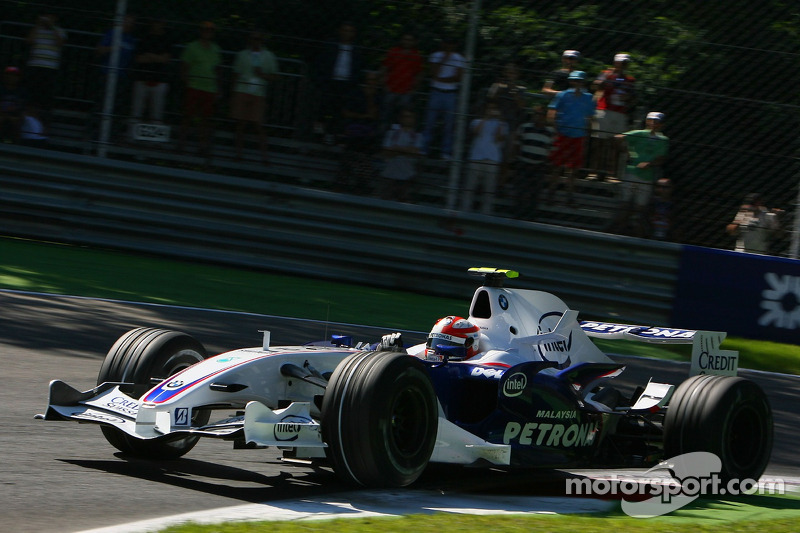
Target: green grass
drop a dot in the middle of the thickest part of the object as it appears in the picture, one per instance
(74, 270)
(63, 269)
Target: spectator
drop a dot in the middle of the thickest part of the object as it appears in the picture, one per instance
(447, 68)
(509, 96)
(252, 69)
(401, 70)
(361, 114)
(489, 134)
(755, 226)
(402, 145)
(127, 47)
(46, 40)
(12, 102)
(151, 73)
(647, 152)
(200, 63)
(336, 75)
(534, 140)
(557, 80)
(614, 91)
(569, 111)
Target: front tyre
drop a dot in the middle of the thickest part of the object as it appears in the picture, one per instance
(379, 419)
(728, 416)
(141, 356)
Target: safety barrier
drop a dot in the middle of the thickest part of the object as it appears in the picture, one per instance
(250, 222)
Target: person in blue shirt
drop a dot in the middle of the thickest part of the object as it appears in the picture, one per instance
(570, 113)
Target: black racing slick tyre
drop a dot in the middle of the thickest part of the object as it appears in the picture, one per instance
(728, 416)
(379, 419)
(142, 356)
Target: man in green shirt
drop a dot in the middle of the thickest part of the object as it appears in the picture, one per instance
(647, 151)
(200, 62)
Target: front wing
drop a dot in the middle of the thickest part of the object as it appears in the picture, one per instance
(109, 404)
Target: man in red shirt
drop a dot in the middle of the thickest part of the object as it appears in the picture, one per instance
(614, 91)
(402, 72)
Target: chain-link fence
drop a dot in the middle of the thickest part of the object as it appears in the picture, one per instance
(723, 73)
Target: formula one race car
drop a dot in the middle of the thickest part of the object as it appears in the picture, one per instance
(379, 417)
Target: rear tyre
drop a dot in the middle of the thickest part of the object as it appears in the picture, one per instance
(142, 356)
(728, 416)
(379, 419)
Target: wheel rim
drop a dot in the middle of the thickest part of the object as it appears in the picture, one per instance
(746, 439)
(409, 423)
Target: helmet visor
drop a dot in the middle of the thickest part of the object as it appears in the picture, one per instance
(443, 339)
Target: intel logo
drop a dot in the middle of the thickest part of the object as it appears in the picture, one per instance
(515, 384)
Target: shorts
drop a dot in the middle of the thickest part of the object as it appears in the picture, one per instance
(247, 107)
(636, 190)
(199, 103)
(607, 123)
(567, 152)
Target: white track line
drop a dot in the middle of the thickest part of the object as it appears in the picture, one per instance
(363, 504)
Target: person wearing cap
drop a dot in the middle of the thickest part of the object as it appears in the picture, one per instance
(12, 102)
(614, 91)
(647, 152)
(556, 80)
(755, 225)
(200, 63)
(570, 112)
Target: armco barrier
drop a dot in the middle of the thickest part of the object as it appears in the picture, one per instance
(277, 227)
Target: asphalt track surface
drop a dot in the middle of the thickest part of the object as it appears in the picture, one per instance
(62, 476)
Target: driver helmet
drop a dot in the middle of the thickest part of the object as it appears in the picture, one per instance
(454, 331)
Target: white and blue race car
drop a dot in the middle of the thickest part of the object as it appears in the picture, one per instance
(378, 417)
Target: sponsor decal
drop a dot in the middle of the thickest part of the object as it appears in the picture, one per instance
(181, 416)
(227, 359)
(100, 417)
(503, 301)
(781, 302)
(543, 413)
(515, 384)
(288, 429)
(151, 132)
(639, 331)
(480, 372)
(124, 405)
(446, 337)
(546, 434)
(553, 347)
(174, 384)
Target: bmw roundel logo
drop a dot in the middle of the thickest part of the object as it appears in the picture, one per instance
(503, 301)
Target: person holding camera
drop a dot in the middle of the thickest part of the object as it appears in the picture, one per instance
(755, 226)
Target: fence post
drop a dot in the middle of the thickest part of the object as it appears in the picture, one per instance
(463, 107)
(111, 80)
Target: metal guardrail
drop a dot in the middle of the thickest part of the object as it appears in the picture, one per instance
(285, 228)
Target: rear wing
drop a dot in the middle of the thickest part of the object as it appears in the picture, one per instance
(707, 358)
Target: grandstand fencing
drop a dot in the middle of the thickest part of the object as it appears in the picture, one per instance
(723, 73)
